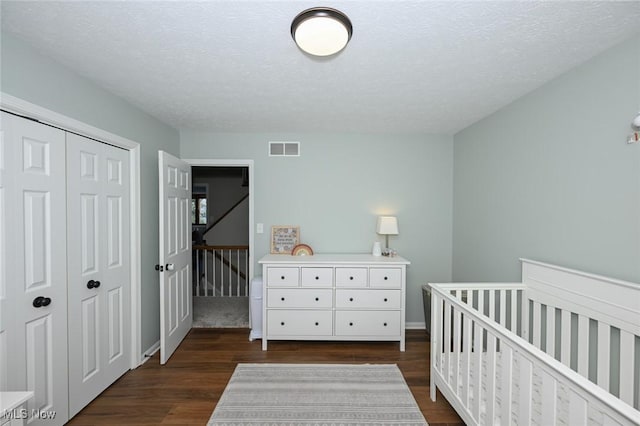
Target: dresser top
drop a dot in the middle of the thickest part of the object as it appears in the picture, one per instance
(12, 400)
(334, 259)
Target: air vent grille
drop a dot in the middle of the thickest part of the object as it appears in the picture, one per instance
(284, 149)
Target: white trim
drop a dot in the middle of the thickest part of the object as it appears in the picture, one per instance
(47, 116)
(198, 162)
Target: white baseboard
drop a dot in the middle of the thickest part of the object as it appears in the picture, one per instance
(150, 352)
(415, 326)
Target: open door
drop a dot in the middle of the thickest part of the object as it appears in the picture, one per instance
(176, 314)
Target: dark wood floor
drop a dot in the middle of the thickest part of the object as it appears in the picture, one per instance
(186, 389)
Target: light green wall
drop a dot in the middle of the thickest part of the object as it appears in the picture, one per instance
(35, 78)
(339, 185)
(550, 177)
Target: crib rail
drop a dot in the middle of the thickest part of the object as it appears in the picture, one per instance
(588, 322)
(220, 271)
(490, 375)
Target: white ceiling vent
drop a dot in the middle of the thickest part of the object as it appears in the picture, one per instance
(284, 149)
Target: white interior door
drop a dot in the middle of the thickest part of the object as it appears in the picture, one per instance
(176, 314)
(34, 261)
(98, 267)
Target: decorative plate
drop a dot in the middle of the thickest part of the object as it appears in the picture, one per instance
(302, 250)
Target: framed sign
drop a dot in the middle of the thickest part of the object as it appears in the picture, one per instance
(284, 238)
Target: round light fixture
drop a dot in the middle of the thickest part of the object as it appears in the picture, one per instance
(321, 31)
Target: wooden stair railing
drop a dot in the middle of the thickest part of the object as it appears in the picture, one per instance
(217, 252)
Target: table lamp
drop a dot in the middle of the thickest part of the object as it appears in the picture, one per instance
(387, 225)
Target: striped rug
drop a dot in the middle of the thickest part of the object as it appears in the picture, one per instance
(316, 394)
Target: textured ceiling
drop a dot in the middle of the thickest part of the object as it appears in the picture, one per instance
(231, 66)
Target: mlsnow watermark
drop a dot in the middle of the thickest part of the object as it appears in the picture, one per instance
(24, 414)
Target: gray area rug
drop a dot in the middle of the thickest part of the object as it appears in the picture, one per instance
(316, 394)
(220, 312)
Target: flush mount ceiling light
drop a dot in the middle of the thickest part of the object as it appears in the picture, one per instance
(321, 31)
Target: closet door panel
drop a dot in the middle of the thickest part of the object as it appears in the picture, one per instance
(99, 270)
(4, 304)
(35, 277)
(117, 263)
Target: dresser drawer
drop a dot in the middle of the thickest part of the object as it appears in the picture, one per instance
(317, 277)
(282, 277)
(367, 323)
(385, 277)
(299, 298)
(299, 323)
(351, 277)
(368, 299)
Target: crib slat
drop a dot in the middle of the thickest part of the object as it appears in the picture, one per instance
(626, 366)
(549, 399)
(583, 345)
(525, 383)
(577, 409)
(604, 348)
(492, 305)
(524, 316)
(551, 331)
(537, 325)
(506, 366)
(514, 311)
(456, 348)
(446, 342)
(466, 359)
(565, 337)
(503, 307)
(436, 319)
(490, 398)
(477, 371)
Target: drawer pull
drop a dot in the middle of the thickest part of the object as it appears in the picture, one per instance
(317, 278)
(385, 278)
(385, 324)
(351, 299)
(350, 324)
(282, 277)
(351, 278)
(385, 299)
(282, 298)
(317, 323)
(317, 298)
(282, 323)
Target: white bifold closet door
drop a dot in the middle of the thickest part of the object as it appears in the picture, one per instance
(99, 267)
(33, 286)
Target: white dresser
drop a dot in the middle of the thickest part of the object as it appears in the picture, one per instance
(333, 297)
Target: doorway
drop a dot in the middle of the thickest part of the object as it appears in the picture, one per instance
(221, 214)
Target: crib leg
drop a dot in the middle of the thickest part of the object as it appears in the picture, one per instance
(432, 386)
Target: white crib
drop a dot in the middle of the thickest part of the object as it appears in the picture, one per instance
(562, 347)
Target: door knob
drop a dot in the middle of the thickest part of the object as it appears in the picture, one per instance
(41, 301)
(93, 284)
(170, 266)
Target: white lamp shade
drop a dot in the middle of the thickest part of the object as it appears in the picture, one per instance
(387, 225)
